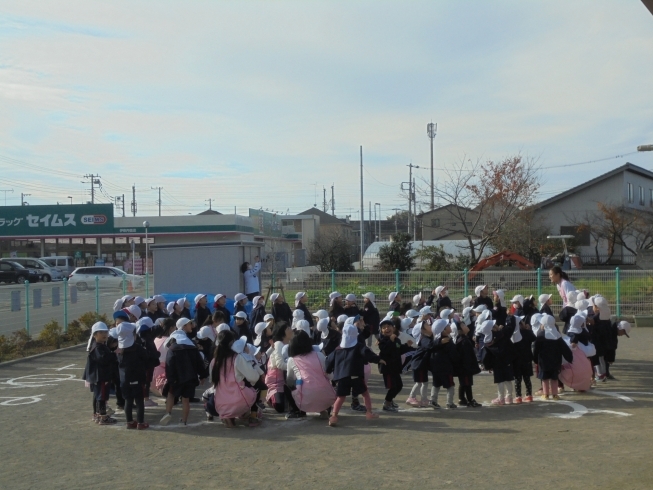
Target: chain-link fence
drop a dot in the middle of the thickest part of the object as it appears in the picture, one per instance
(31, 306)
(629, 292)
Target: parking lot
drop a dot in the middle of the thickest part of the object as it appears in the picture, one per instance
(599, 439)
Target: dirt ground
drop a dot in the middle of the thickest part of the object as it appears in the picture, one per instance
(600, 439)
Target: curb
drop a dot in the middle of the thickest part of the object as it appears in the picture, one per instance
(35, 356)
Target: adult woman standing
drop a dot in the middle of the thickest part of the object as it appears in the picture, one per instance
(250, 276)
(562, 282)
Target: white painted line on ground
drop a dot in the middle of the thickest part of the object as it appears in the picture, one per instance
(69, 366)
(614, 395)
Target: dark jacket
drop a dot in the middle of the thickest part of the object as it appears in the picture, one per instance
(580, 338)
(331, 342)
(442, 302)
(523, 350)
(225, 312)
(502, 354)
(599, 332)
(153, 355)
(99, 364)
(546, 309)
(391, 352)
(371, 317)
(206, 347)
(443, 357)
(185, 313)
(282, 312)
(185, 365)
(466, 364)
(529, 309)
(133, 363)
(612, 337)
(353, 310)
(243, 330)
(201, 314)
(565, 316)
(487, 301)
(157, 314)
(238, 307)
(500, 314)
(307, 314)
(549, 353)
(421, 360)
(395, 306)
(258, 314)
(335, 311)
(350, 362)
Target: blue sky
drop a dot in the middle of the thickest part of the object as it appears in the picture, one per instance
(261, 104)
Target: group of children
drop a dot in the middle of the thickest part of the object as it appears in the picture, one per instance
(295, 362)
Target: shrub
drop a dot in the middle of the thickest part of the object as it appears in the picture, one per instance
(6, 347)
(19, 340)
(77, 332)
(89, 318)
(51, 334)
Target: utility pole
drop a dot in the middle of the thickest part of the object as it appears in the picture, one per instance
(333, 202)
(22, 199)
(134, 208)
(370, 216)
(378, 221)
(376, 233)
(414, 213)
(5, 191)
(123, 205)
(95, 180)
(396, 210)
(159, 201)
(324, 203)
(431, 130)
(210, 201)
(362, 210)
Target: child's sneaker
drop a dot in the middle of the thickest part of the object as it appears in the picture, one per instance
(451, 406)
(412, 402)
(424, 404)
(333, 420)
(544, 398)
(143, 426)
(389, 408)
(555, 398)
(358, 407)
(165, 420)
(132, 425)
(474, 404)
(371, 415)
(528, 399)
(518, 400)
(109, 411)
(498, 401)
(209, 417)
(463, 403)
(150, 403)
(106, 420)
(508, 400)
(433, 404)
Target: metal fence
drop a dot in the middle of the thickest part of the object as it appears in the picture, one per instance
(31, 306)
(629, 292)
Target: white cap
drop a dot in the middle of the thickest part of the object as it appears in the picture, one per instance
(478, 289)
(149, 300)
(446, 313)
(117, 306)
(159, 299)
(439, 289)
(466, 315)
(298, 297)
(625, 326)
(199, 297)
(603, 306)
(371, 298)
(518, 298)
(341, 319)
(544, 298)
(333, 296)
(467, 301)
(222, 328)
(256, 300)
(439, 325)
(181, 302)
(392, 296)
(576, 324)
(241, 314)
(303, 325)
(125, 333)
(582, 305)
(139, 300)
(480, 308)
(486, 330)
(239, 345)
(144, 323)
(298, 315)
(135, 311)
(321, 314)
(206, 332)
(536, 319)
(349, 336)
(268, 317)
(99, 327)
(502, 296)
(414, 313)
(572, 297)
(182, 322)
(417, 298)
(350, 297)
(258, 330)
(218, 297)
(406, 322)
(323, 327)
(550, 330)
(274, 296)
(239, 297)
(425, 311)
(170, 307)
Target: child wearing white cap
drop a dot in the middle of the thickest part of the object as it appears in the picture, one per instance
(98, 373)
(240, 301)
(443, 358)
(420, 363)
(220, 304)
(418, 301)
(301, 300)
(442, 300)
(371, 316)
(278, 393)
(258, 311)
(202, 313)
(499, 312)
(184, 306)
(548, 353)
(241, 326)
(499, 359)
(133, 363)
(482, 297)
(545, 304)
(467, 366)
(568, 310)
(522, 340)
(336, 307)
(351, 308)
(599, 327)
(390, 350)
(615, 331)
(148, 331)
(348, 367)
(280, 309)
(394, 298)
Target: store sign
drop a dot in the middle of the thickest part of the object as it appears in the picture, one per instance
(265, 223)
(72, 219)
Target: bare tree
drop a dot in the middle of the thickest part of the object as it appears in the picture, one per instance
(483, 197)
(332, 251)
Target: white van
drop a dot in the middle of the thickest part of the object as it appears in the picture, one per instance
(65, 264)
(44, 270)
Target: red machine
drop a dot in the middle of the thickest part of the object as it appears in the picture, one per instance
(505, 256)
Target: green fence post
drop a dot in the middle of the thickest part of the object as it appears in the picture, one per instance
(465, 275)
(65, 305)
(27, 307)
(539, 281)
(397, 285)
(618, 287)
(147, 285)
(333, 280)
(124, 285)
(97, 295)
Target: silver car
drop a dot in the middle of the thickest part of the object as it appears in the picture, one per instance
(46, 272)
(108, 278)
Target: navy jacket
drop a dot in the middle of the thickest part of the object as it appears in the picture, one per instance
(443, 357)
(353, 311)
(336, 310)
(391, 352)
(99, 364)
(201, 314)
(599, 333)
(467, 364)
(258, 314)
(225, 312)
(546, 309)
(421, 360)
(523, 350)
(442, 302)
(133, 363)
(580, 338)
(307, 314)
(565, 316)
(549, 353)
(185, 365)
(487, 301)
(350, 362)
(244, 330)
(371, 317)
(282, 312)
(331, 342)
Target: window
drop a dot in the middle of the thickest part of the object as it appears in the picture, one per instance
(641, 196)
(630, 192)
(435, 223)
(650, 191)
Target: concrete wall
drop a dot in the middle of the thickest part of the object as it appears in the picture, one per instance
(202, 268)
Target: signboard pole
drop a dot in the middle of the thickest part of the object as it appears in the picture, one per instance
(27, 307)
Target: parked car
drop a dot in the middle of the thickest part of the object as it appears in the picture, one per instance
(14, 272)
(109, 277)
(62, 262)
(46, 273)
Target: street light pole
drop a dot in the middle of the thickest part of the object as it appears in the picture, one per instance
(71, 199)
(146, 224)
(379, 218)
(431, 130)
